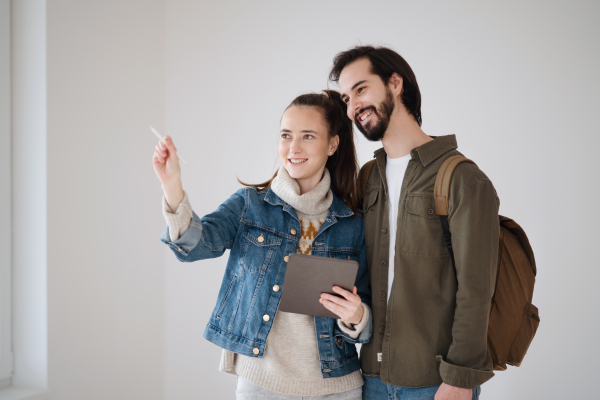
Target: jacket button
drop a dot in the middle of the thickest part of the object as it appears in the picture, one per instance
(276, 288)
(383, 263)
(382, 294)
(256, 351)
(339, 340)
(430, 211)
(179, 250)
(266, 317)
(326, 370)
(286, 258)
(384, 231)
(261, 239)
(293, 231)
(381, 329)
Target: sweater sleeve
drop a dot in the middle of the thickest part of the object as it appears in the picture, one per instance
(178, 221)
(354, 330)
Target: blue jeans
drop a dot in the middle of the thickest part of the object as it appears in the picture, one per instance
(374, 389)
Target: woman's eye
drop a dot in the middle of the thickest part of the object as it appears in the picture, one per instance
(360, 89)
(285, 136)
(308, 136)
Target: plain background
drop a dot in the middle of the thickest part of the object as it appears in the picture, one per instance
(516, 81)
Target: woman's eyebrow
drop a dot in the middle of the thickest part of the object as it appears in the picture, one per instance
(302, 131)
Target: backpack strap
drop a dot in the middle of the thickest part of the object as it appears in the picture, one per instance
(363, 177)
(441, 193)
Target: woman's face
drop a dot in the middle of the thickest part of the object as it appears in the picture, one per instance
(304, 144)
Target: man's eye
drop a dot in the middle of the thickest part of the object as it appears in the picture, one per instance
(360, 89)
(346, 100)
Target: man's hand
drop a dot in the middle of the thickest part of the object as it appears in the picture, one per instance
(447, 392)
(349, 307)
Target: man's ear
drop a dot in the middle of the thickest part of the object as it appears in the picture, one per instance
(395, 84)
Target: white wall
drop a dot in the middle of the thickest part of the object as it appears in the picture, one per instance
(29, 193)
(514, 80)
(106, 77)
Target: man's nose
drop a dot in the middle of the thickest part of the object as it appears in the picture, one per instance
(353, 108)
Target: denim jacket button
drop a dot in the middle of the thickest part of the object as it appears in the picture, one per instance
(256, 351)
(293, 231)
(261, 239)
(286, 258)
(276, 288)
(266, 317)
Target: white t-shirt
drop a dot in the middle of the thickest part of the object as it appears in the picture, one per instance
(395, 168)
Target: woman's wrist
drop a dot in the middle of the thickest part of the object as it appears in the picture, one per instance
(174, 195)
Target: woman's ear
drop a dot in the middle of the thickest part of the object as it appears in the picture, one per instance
(333, 144)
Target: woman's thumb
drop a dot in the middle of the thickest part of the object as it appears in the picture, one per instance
(171, 146)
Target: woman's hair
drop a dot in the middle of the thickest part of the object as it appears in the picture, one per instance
(342, 165)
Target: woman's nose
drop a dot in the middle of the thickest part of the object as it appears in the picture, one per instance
(295, 148)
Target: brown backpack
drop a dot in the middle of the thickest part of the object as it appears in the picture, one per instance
(513, 319)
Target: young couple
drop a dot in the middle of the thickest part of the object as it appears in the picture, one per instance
(422, 322)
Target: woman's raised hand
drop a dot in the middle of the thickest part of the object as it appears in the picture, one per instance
(168, 171)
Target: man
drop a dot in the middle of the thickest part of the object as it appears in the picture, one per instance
(430, 317)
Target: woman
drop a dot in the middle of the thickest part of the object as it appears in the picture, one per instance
(307, 207)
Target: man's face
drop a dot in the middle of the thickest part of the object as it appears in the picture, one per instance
(370, 102)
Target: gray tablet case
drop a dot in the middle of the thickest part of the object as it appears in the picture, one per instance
(307, 277)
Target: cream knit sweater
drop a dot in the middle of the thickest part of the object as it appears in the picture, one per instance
(291, 362)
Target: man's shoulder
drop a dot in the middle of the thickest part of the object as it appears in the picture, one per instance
(465, 173)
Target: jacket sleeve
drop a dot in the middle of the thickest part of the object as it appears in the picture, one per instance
(474, 227)
(363, 287)
(211, 235)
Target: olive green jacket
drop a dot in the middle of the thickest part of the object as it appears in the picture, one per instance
(434, 327)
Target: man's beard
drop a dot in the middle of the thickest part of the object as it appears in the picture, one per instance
(374, 131)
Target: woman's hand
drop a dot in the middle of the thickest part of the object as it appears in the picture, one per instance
(168, 171)
(349, 308)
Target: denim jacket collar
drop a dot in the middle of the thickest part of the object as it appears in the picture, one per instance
(337, 209)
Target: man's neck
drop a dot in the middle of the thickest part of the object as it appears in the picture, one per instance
(403, 134)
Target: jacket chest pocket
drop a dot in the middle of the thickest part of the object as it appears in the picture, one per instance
(422, 229)
(260, 248)
(370, 206)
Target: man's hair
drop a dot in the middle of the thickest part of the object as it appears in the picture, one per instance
(384, 62)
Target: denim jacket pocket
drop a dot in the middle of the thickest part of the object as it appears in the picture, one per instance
(260, 247)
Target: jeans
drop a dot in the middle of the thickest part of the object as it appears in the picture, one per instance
(374, 389)
(246, 390)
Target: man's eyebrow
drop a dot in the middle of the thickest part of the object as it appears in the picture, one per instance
(343, 96)
(358, 83)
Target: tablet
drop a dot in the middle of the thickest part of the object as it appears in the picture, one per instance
(307, 277)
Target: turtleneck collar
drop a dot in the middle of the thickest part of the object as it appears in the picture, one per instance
(315, 202)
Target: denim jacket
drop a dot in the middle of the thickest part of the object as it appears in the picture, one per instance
(255, 271)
